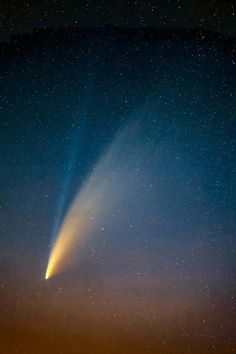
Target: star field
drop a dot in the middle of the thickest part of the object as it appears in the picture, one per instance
(156, 273)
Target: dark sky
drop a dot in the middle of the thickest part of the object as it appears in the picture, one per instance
(19, 16)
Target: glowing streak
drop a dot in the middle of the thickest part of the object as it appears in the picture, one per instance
(109, 180)
(71, 228)
(93, 199)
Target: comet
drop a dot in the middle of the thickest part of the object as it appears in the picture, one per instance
(102, 188)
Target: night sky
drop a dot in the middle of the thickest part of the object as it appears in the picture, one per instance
(129, 133)
(18, 16)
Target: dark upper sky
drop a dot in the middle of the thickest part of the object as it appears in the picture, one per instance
(19, 16)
